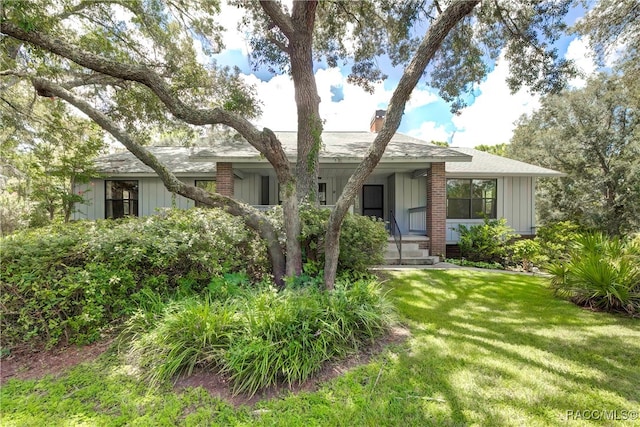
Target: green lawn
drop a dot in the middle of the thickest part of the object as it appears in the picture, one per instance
(486, 349)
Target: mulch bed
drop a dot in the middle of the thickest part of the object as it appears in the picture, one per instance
(27, 364)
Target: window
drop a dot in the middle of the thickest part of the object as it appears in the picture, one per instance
(471, 198)
(209, 185)
(322, 193)
(121, 199)
(264, 190)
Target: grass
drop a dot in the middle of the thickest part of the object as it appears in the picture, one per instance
(486, 349)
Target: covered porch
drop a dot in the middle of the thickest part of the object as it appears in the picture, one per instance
(411, 202)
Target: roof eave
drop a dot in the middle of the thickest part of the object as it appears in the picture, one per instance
(339, 159)
(485, 174)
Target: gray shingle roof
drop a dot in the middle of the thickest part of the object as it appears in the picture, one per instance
(487, 164)
(345, 146)
(175, 158)
(337, 146)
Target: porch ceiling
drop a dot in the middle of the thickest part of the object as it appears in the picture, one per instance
(337, 170)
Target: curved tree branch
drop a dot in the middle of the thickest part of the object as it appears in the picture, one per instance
(252, 217)
(278, 17)
(264, 141)
(425, 52)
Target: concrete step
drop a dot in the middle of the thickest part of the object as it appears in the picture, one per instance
(415, 251)
(428, 260)
(393, 253)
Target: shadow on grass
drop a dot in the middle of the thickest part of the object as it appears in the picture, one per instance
(486, 349)
(502, 349)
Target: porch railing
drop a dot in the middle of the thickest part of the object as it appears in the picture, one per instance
(394, 228)
(418, 219)
(267, 207)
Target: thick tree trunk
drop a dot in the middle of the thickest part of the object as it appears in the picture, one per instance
(427, 49)
(292, 227)
(298, 28)
(309, 123)
(308, 148)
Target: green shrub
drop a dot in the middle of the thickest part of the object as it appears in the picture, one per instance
(282, 340)
(66, 283)
(260, 337)
(477, 264)
(486, 242)
(600, 272)
(526, 253)
(555, 238)
(194, 332)
(362, 239)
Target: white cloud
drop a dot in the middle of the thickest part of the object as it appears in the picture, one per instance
(279, 107)
(490, 120)
(582, 55)
(420, 98)
(352, 113)
(430, 131)
(230, 17)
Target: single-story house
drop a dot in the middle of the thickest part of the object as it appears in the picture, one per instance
(427, 189)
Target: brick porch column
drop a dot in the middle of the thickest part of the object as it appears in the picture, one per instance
(224, 178)
(437, 209)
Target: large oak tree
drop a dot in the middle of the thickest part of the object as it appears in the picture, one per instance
(128, 64)
(593, 135)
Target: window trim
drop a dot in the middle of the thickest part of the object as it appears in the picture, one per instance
(136, 183)
(472, 215)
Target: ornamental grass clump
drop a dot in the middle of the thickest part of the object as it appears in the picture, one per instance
(191, 333)
(601, 272)
(261, 337)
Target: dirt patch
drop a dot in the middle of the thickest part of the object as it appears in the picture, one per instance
(26, 364)
(219, 387)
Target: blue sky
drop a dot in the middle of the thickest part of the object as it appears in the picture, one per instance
(488, 119)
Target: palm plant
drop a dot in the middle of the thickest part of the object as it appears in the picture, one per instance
(601, 272)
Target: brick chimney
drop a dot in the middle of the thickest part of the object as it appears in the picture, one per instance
(377, 120)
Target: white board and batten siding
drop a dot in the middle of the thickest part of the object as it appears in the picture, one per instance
(401, 192)
(405, 193)
(152, 195)
(516, 203)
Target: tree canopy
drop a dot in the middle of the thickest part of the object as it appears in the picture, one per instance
(613, 29)
(498, 149)
(46, 149)
(131, 65)
(593, 135)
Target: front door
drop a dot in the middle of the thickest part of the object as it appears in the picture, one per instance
(372, 200)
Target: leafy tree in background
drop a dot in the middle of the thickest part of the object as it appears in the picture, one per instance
(613, 27)
(131, 65)
(441, 143)
(593, 135)
(51, 149)
(498, 149)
